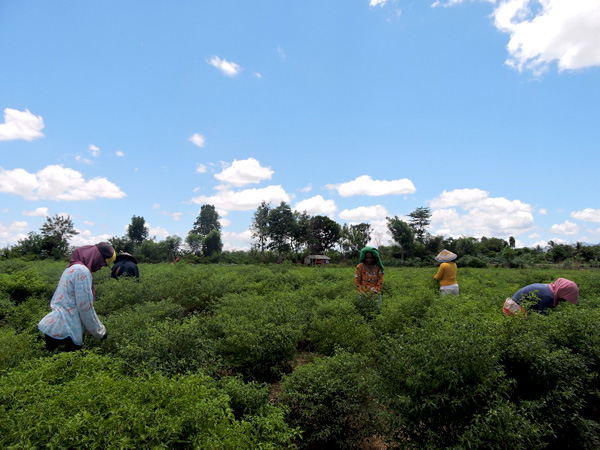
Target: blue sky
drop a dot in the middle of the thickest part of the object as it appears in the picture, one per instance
(485, 111)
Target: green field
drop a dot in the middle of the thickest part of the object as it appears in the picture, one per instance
(284, 356)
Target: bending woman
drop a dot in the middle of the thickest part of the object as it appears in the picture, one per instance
(72, 304)
(543, 296)
(446, 274)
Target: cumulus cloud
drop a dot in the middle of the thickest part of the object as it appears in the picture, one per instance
(364, 213)
(245, 200)
(243, 172)
(119, 153)
(11, 234)
(316, 205)
(21, 125)
(588, 215)
(157, 232)
(236, 241)
(201, 168)
(567, 228)
(472, 212)
(86, 237)
(95, 151)
(545, 31)
(56, 183)
(228, 68)
(377, 2)
(41, 211)
(197, 139)
(365, 185)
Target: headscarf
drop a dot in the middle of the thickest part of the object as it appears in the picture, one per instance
(566, 290)
(374, 252)
(94, 257)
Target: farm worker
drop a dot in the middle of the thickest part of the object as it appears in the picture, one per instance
(125, 266)
(446, 274)
(368, 277)
(543, 296)
(72, 304)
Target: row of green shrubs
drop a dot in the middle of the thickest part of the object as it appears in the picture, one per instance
(286, 357)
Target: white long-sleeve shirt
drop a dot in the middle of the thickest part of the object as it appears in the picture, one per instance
(72, 307)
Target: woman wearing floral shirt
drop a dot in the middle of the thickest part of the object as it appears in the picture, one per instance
(72, 304)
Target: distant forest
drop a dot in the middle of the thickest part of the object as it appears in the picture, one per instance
(281, 235)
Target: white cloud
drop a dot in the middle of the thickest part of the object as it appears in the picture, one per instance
(156, 206)
(364, 213)
(544, 31)
(198, 139)
(243, 172)
(257, 75)
(201, 168)
(542, 211)
(175, 216)
(56, 183)
(41, 211)
(534, 236)
(230, 69)
(281, 52)
(567, 228)
(21, 125)
(119, 153)
(95, 151)
(365, 185)
(377, 2)
(245, 200)
(236, 241)
(11, 234)
(82, 160)
(472, 212)
(316, 205)
(87, 222)
(157, 232)
(307, 188)
(588, 215)
(459, 197)
(224, 222)
(85, 237)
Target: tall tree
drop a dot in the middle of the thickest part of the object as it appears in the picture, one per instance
(355, 237)
(401, 233)
(194, 242)
(207, 221)
(212, 244)
(300, 231)
(57, 231)
(420, 219)
(137, 230)
(260, 227)
(323, 233)
(281, 225)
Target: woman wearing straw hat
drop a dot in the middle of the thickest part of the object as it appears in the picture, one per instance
(446, 274)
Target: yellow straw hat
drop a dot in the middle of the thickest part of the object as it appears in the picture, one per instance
(446, 256)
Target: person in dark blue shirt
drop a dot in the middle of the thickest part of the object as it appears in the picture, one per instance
(543, 296)
(125, 266)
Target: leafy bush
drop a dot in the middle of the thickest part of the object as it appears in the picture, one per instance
(22, 284)
(18, 347)
(336, 325)
(330, 401)
(256, 338)
(150, 336)
(79, 400)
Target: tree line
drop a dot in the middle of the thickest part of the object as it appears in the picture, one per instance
(280, 234)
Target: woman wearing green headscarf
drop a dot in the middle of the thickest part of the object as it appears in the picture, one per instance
(369, 273)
